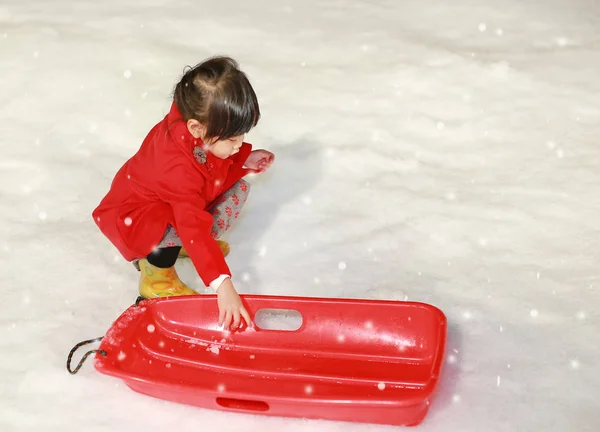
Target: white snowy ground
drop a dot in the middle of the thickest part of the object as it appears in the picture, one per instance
(439, 151)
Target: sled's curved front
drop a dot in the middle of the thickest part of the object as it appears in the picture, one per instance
(350, 360)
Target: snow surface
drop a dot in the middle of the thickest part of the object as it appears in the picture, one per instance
(438, 151)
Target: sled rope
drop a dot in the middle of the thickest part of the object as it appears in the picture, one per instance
(85, 356)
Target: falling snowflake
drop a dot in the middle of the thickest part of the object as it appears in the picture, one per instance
(168, 365)
(381, 386)
(534, 313)
(342, 265)
(252, 356)
(581, 315)
(150, 328)
(452, 359)
(263, 251)
(43, 216)
(499, 32)
(308, 389)
(440, 125)
(161, 344)
(128, 221)
(456, 398)
(127, 74)
(317, 280)
(498, 381)
(246, 277)
(575, 364)
(369, 324)
(482, 27)
(307, 200)
(467, 315)
(341, 338)
(121, 356)
(221, 388)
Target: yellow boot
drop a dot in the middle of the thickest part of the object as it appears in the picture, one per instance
(161, 282)
(222, 244)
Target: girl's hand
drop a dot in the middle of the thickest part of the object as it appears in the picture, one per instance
(231, 307)
(259, 160)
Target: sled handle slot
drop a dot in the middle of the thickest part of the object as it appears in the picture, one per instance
(280, 319)
(243, 404)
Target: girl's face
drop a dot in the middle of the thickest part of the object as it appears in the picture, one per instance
(221, 148)
(225, 148)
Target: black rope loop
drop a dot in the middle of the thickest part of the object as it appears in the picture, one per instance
(85, 356)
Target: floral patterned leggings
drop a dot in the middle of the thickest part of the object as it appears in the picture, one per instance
(224, 212)
(226, 209)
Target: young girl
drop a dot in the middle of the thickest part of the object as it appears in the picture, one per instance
(184, 187)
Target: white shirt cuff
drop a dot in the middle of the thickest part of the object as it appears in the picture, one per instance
(218, 281)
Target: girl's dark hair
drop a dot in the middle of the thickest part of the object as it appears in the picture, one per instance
(218, 95)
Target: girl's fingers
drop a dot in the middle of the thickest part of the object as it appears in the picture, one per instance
(236, 319)
(246, 316)
(221, 317)
(227, 322)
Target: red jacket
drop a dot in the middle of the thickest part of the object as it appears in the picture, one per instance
(170, 180)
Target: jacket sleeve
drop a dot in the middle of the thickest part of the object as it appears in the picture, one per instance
(237, 170)
(194, 226)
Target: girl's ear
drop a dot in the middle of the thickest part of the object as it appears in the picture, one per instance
(196, 128)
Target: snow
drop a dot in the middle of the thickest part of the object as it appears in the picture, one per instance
(399, 128)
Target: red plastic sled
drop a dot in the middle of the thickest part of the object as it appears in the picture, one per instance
(350, 360)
